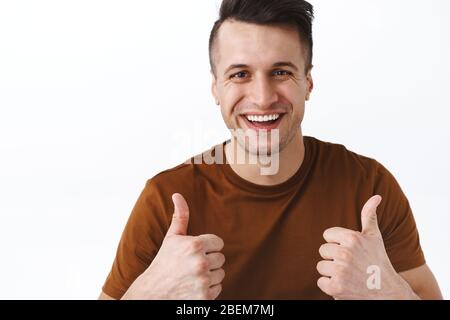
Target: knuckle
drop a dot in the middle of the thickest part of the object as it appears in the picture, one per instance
(222, 274)
(336, 287)
(221, 258)
(213, 239)
(212, 294)
(203, 283)
(218, 290)
(195, 245)
(353, 239)
(324, 285)
(345, 254)
(201, 266)
(220, 242)
(319, 265)
(340, 271)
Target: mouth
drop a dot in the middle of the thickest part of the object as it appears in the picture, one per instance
(262, 122)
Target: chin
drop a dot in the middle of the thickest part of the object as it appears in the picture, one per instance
(270, 147)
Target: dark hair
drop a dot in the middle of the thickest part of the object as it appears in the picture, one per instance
(297, 13)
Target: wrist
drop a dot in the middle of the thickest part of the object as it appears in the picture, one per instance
(135, 291)
(405, 292)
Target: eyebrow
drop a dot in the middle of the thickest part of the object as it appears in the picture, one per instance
(276, 64)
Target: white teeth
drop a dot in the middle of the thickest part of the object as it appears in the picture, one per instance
(263, 118)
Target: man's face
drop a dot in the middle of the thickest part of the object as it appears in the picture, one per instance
(260, 70)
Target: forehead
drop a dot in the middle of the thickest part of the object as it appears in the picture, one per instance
(252, 44)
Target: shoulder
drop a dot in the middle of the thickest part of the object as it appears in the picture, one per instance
(176, 174)
(337, 157)
(186, 177)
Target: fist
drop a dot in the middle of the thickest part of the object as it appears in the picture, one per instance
(356, 265)
(186, 267)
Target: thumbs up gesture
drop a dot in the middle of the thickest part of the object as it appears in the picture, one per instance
(186, 267)
(356, 265)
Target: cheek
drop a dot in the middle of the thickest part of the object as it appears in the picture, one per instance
(299, 111)
(295, 93)
(229, 99)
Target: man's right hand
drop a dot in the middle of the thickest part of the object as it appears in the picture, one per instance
(186, 267)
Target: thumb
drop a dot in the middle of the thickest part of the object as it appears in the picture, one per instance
(369, 215)
(180, 218)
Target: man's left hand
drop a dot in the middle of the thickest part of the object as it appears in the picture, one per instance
(356, 264)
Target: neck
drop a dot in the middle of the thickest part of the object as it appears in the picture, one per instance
(290, 159)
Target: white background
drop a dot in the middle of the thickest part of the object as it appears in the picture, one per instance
(98, 96)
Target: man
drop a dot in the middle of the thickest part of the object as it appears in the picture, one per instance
(328, 223)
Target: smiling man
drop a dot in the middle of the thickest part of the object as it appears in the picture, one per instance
(328, 223)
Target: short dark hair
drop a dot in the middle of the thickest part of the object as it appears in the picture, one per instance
(296, 13)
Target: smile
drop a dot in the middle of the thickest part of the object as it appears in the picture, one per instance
(266, 121)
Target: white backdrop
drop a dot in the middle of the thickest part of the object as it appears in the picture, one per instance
(98, 96)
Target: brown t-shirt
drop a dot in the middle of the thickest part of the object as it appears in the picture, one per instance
(272, 234)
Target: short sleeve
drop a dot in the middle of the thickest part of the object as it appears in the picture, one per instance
(397, 224)
(139, 243)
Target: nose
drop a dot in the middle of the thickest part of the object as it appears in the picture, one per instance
(262, 92)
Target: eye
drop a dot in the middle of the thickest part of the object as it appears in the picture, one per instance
(239, 75)
(282, 73)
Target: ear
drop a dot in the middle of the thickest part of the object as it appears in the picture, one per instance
(214, 88)
(309, 84)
